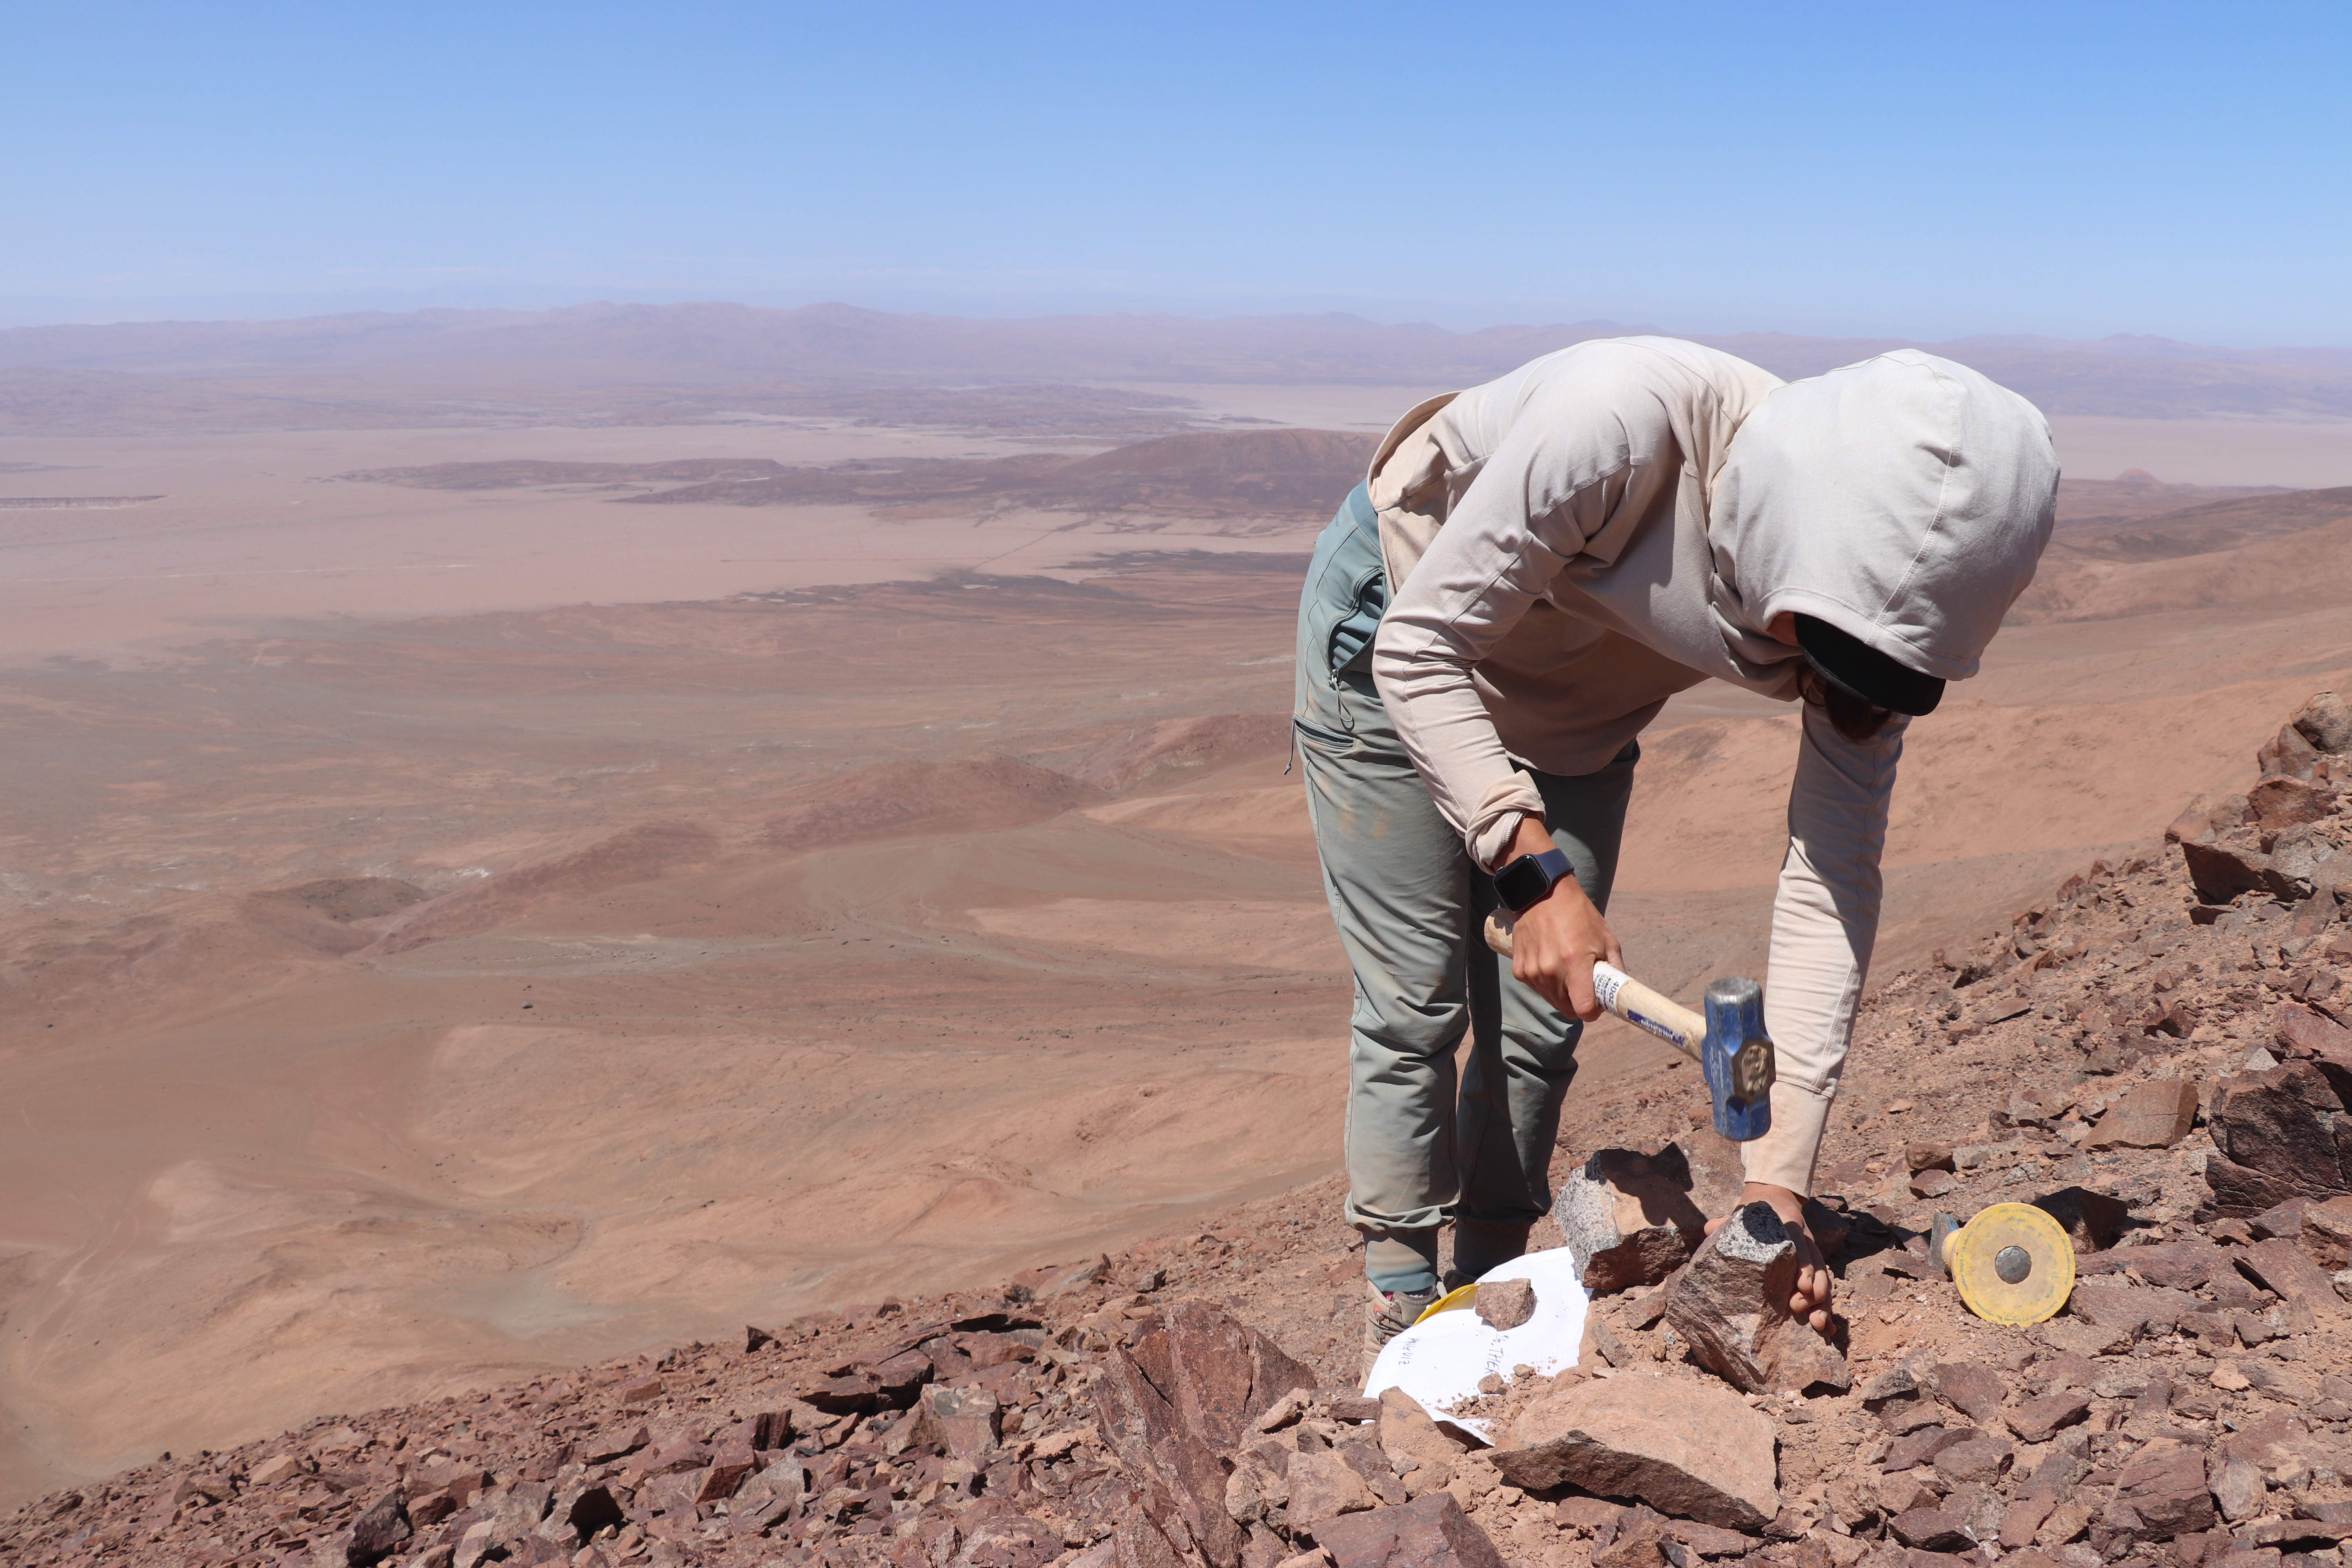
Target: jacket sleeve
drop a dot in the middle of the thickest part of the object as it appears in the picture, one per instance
(1549, 486)
(1824, 925)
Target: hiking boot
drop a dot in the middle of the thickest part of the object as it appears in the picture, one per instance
(1391, 1313)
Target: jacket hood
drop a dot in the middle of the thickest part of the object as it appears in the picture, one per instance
(1904, 500)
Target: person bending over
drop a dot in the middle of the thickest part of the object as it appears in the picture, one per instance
(1528, 571)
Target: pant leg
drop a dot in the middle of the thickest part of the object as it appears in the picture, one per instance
(1399, 883)
(1523, 1050)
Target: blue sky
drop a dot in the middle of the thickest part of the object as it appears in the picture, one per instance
(2069, 169)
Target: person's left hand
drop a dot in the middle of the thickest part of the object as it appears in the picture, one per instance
(1811, 1304)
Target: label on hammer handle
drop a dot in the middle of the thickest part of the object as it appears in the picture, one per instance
(1607, 980)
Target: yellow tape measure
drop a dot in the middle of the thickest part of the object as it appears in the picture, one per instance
(2012, 1264)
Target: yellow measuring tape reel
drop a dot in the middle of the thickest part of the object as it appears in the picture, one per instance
(2012, 1263)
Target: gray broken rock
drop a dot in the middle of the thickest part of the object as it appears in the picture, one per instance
(1628, 1218)
(1694, 1450)
(1732, 1306)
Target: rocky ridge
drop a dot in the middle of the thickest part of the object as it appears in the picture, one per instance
(2156, 1054)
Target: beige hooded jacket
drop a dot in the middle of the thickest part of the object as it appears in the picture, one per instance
(1572, 543)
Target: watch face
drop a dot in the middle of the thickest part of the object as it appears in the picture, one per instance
(1521, 883)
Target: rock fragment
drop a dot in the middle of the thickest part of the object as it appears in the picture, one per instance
(1732, 1306)
(1506, 1303)
(1703, 1454)
(1628, 1218)
(1322, 1486)
(2282, 1133)
(1429, 1532)
(1973, 1389)
(2037, 1420)
(2154, 1116)
(380, 1531)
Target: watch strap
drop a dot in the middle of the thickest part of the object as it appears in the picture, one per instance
(1531, 878)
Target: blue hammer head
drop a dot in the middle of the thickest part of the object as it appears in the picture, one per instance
(1736, 1057)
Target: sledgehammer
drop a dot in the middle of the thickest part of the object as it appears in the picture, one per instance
(1729, 1043)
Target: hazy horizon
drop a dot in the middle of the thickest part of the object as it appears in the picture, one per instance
(1850, 172)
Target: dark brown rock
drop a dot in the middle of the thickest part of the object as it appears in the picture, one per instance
(2162, 1493)
(1171, 1402)
(965, 1422)
(2037, 1420)
(1628, 1218)
(2221, 870)
(2281, 803)
(2284, 1270)
(727, 1468)
(1703, 1454)
(1972, 1389)
(2116, 1303)
(1919, 1446)
(379, 1532)
(2154, 1116)
(617, 1443)
(1931, 1530)
(997, 1534)
(1429, 1532)
(2287, 1124)
(1731, 1307)
(845, 1395)
(1506, 1303)
(1982, 1458)
(2176, 1264)
(2325, 1234)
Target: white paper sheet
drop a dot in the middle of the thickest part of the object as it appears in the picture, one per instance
(1440, 1360)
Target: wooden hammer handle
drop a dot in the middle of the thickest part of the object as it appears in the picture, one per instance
(1627, 998)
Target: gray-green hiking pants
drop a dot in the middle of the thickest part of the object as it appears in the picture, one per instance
(1409, 903)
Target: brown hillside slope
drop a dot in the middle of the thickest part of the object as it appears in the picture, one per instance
(2285, 552)
(2152, 1053)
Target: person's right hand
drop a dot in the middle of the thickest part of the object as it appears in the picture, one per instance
(1556, 940)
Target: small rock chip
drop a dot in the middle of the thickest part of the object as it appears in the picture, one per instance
(1506, 1303)
(2037, 1420)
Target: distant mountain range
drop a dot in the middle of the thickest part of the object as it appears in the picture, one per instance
(639, 354)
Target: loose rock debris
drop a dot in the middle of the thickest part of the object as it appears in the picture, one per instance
(2157, 1055)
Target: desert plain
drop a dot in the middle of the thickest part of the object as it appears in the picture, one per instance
(470, 906)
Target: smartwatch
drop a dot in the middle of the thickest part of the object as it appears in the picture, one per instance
(1531, 878)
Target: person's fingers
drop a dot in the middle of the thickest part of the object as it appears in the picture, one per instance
(1582, 1000)
(1614, 953)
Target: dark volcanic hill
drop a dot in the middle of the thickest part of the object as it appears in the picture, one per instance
(1296, 474)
